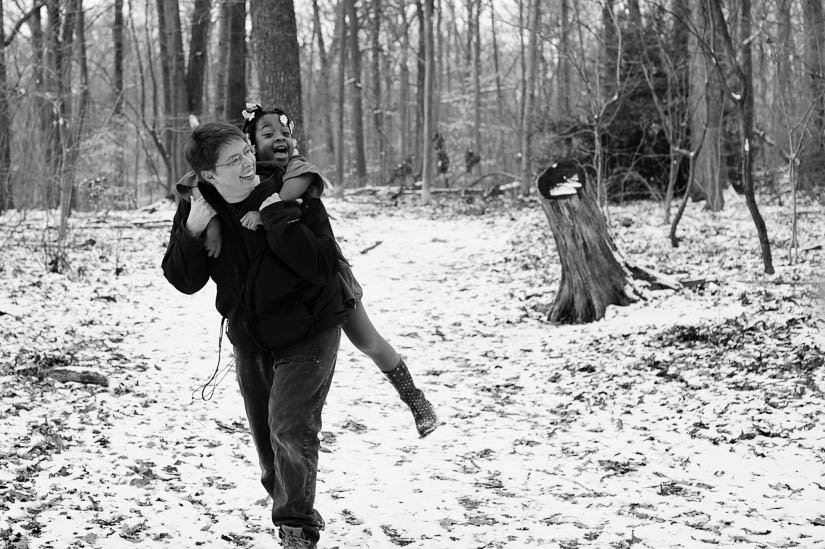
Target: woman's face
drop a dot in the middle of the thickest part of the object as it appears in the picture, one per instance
(234, 172)
(273, 141)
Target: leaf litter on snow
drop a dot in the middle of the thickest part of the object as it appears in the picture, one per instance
(688, 417)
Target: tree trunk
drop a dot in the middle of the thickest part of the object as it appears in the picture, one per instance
(52, 82)
(707, 105)
(812, 165)
(784, 98)
(356, 95)
(198, 48)
(429, 59)
(327, 130)
(235, 94)
(378, 111)
(66, 128)
(420, 87)
(592, 274)
(404, 92)
(476, 32)
(743, 98)
(275, 36)
(527, 109)
(117, 72)
(176, 121)
(220, 68)
(563, 78)
(342, 75)
(6, 195)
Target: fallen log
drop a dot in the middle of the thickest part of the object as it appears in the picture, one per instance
(77, 375)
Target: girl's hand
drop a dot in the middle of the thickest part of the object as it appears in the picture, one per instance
(274, 198)
(251, 220)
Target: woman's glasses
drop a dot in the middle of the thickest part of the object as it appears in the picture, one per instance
(235, 160)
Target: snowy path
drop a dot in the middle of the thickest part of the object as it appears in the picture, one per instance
(588, 436)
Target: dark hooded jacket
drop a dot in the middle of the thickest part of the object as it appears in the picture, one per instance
(275, 285)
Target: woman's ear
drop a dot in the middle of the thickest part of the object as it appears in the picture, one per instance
(208, 176)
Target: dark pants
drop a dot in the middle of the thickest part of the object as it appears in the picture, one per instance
(283, 394)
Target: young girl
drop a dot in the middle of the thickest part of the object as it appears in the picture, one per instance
(270, 133)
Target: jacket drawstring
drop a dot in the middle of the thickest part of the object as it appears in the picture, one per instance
(208, 389)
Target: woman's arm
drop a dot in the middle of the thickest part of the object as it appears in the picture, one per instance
(185, 263)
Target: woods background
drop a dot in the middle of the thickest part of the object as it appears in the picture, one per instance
(97, 95)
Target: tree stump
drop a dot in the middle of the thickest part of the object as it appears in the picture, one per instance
(593, 275)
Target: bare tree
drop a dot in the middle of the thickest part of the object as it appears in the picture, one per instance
(342, 64)
(275, 37)
(173, 71)
(742, 96)
(235, 92)
(429, 56)
(198, 42)
(6, 195)
(326, 114)
(356, 93)
(404, 89)
(563, 80)
(474, 45)
(812, 166)
(706, 104)
(377, 110)
(527, 110)
(117, 72)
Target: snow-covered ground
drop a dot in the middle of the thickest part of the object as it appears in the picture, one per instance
(689, 419)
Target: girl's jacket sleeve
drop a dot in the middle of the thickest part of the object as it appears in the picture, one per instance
(313, 257)
(185, 263)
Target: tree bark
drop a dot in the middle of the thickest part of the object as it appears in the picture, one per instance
(812, 167)
(117, 72)
(198, 48)
(328, 131)
(275, 36)
(235, 94)
(421, 69)
(378, 110)
(592, 274)
(743, 98)
(356, 94)
(707, 105)
(527, 109)
(173, 67)
(404, 92)
(6, 194)
(563, 78)
(429, 64)
(476, 41)
(342, 74)
(67, 127)
(220, 70)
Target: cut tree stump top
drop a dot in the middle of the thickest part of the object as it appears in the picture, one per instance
(563, 179)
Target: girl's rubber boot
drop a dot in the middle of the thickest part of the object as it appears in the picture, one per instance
(423, 412)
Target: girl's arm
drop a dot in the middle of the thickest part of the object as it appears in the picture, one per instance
(295, 187)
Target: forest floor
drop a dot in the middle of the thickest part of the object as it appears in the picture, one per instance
(692, 418)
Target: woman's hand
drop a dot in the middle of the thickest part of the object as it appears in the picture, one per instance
(199, 216)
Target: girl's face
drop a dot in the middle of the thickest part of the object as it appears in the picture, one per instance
(273, 141)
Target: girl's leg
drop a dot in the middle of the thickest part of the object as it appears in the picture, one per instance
(365, 337)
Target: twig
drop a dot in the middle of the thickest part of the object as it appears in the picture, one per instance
(368, 248)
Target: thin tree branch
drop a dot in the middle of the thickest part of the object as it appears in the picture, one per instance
(22, 21)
